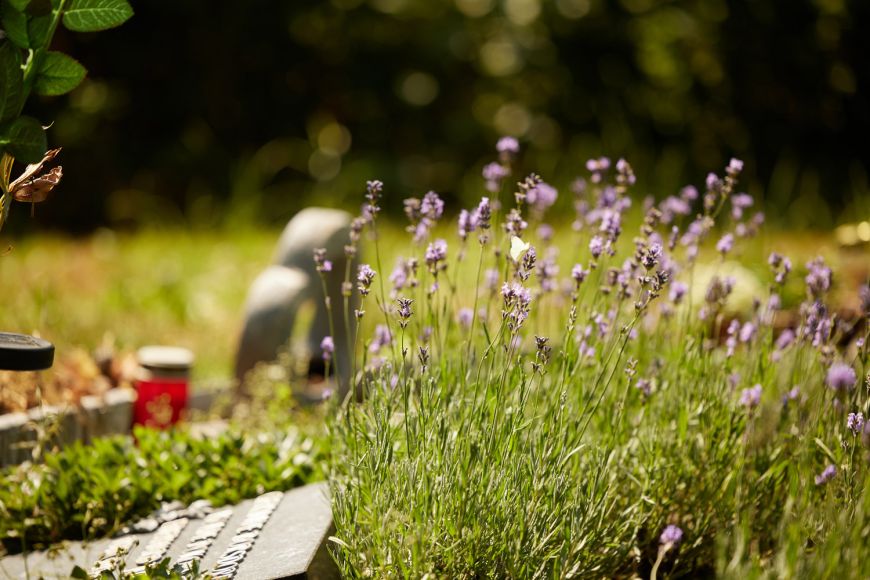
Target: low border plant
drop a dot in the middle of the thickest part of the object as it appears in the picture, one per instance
(90, 491)
(529, 403)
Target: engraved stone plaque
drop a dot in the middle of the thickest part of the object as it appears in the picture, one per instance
(277, 535)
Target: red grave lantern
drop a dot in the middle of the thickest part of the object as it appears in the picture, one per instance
(162, 386)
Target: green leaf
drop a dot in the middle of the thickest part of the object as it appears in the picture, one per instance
(15, 24)
(40, 7)
(25, 140)
(20, 5)
(79, 573)
(58, 74)
(11, 81)
(37, 29)
(93, 15)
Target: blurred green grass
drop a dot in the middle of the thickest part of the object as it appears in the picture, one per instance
(154, 287)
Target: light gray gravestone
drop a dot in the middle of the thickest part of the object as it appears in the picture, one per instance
(292, 280)
(277, 535)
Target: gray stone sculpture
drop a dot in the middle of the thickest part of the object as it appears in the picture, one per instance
(275, 297)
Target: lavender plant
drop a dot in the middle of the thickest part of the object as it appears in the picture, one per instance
(28, 66)
(621, 419)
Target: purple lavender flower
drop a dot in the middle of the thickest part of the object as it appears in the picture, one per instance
(678, 291)
(783, 272)
(864, 296)
(611, 223)
(482, 215)
(579, 274)
(598, 167)
(826, 475)
(508, 146)
(399, 276)
(750, 398)
(673, 206)
(600, 164)
(689, 193)
(327, 346)
(596, 246)
(491, 278)
(436, 253)
(855, 423)
(644, 386)
(412, 210)
(735, 166)
(725, 244)
(774, 303)
(514, 223)
(465, 316)
(545, 232)
(364, 278)
(466, 225)
(404, 311)
(671, 536)
(432, 206)
(818, 278)
(713, 182)
(321, 264)
(624, 173)
(651, 256)
(817, 324)
(542, 196)
(382, 338)
(493, 174)
(739, 202)
(373, 195)
(785, 338)
(841, 377)
(517, 300)
(731, 341)
(548, 269)
(747, 332)
(791, 395)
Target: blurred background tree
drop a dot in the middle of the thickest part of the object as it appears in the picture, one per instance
(218, 114)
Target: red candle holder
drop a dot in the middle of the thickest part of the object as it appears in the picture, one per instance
(162, 386)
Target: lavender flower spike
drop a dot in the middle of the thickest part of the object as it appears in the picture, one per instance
(364, 278)
(436, 252)
(508, 146)
(671, 536)
(328, 347)
(725, 244)
(841, 377)
(827, 475)
(855, 423)
(750, 398)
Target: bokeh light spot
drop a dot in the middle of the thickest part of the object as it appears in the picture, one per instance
(334, 138)
(522, 12)
(573, 8)
(512, 119)
(475, 8)
(418, 88)
(500, 58)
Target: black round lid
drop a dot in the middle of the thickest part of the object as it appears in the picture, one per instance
(22, 352)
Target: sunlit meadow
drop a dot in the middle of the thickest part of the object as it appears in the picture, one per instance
(599, 400)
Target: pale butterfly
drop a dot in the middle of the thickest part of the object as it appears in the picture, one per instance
(518, 248)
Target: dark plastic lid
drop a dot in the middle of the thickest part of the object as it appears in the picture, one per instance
(22, 352)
